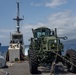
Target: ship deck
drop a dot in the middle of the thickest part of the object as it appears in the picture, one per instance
(18, 68)
(22, 68)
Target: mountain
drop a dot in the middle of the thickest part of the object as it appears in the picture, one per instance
(69, 44)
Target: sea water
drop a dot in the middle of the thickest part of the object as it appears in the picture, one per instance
(3, 49)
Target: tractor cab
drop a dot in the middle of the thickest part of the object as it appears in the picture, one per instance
(42, 31)
(46, 39)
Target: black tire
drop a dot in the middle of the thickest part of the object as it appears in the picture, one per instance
(71, 56)
(7, 56)
(33, 62)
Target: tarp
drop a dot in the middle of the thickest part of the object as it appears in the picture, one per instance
(2, 62)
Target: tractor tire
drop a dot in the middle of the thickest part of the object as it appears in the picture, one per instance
(71, 56)
(33, 62)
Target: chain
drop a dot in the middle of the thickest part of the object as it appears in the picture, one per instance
(63, 58)
(53, 67)
(54, 62)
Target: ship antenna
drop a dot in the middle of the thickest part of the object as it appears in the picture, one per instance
(18, 19)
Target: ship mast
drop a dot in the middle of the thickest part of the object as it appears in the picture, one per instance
(18, 19)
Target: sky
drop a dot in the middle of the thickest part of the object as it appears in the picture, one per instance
(60, 14)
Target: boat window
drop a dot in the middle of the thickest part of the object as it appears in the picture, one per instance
(17, 36)
(21, 42)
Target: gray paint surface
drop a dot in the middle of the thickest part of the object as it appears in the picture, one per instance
(14, 54)
(23, 69)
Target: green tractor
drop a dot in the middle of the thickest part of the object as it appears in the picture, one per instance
(43, 46)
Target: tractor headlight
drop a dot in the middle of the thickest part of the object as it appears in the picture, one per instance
(53, 45)
(55, 41)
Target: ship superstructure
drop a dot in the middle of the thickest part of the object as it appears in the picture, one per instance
(16, 47)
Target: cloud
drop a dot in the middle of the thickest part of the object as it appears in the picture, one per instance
(51, 3)
(2, 36)
(28, 28)
(6, 30)
(55, 3)
(63, 21)
(36, 4)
